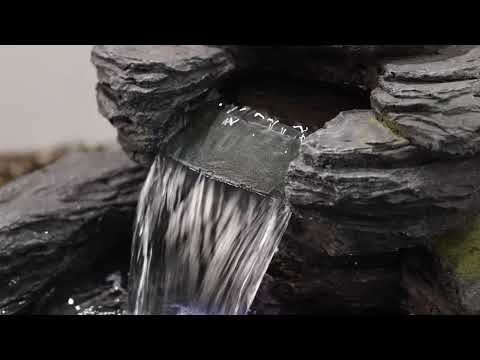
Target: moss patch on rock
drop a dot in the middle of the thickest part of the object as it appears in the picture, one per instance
(389, 124)
(461, 249)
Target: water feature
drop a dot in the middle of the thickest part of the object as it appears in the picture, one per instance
(211, 214)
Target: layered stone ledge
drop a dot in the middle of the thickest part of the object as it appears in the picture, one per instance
(434, 103)
(146, 92)
(404, 176)
(373, 186)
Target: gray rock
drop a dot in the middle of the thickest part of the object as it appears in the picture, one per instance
(58, 220)
(433, 102)
(147, 91)
(355, 139)
(450, 63)
(376, 209)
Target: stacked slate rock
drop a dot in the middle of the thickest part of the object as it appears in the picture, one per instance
(378, 193)
(146, 92)
(405, 174)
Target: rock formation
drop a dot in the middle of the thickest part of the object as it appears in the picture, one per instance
(386, 197)
(434, 104)
(404, 174)
(56, 222)
(147, 91)
(381, 183)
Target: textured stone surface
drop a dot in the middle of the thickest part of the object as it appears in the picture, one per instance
(58, 220)
(434, 102)
(356, 139)
(398, 207)
(449, 63)
(147, 91)
(303, 279)
(383, 181)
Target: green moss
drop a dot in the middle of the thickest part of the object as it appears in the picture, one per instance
(461, 249)
(392, 125)
(389, 124)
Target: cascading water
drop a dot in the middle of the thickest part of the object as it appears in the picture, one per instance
(210, 215)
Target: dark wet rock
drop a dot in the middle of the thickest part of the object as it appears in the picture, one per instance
(433, 102)
(94, 296)
(246, 57)
(304, 279)
(341, 65)
(109, 299)
(378, 51)
(57, 221)
(339, 51)
(100, 289)
(265, 302)
(147, 91)
(429, 289)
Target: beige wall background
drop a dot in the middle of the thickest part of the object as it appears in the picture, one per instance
(47, 97)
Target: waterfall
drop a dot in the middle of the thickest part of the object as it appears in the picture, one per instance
(208, 222)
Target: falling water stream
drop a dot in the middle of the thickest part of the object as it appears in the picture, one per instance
(211, 214)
